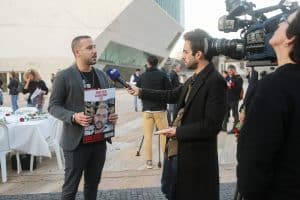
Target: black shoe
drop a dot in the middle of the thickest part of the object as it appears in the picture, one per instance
(231, 132)
(135, 109)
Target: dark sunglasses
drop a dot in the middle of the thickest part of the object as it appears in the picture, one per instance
(284, 18)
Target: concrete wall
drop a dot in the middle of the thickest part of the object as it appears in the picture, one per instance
(38, 33)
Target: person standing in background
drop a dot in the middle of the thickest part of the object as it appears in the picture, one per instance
(13, 86)
(134, 78)
(52, 77)
(174, 78)
(234, 95)
(1, 93)
(34, 85)
(154, 113)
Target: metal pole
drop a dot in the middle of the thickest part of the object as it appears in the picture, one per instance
(159, 162)
(138, 151)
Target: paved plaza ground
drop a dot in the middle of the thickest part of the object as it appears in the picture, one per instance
(124, 175)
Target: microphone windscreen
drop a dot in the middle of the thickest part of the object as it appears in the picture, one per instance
(113, 74)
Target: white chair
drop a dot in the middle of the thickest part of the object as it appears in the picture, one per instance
(53, 140)
(4, 149)
(26, 110)
(4, 110)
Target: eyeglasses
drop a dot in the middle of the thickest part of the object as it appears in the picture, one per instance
(284, 18)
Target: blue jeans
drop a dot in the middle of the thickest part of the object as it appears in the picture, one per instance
(39, 107)
(169, 177)
(14, 102)
(1, 97)
(135, 102)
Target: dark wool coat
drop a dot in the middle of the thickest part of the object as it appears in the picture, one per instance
(269, 142)
(198, 174)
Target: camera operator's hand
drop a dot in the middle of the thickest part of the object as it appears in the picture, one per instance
(133, 90)
(82, 119)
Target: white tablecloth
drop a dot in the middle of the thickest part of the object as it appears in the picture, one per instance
(30, 137)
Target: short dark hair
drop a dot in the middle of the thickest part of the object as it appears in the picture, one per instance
(225, 72)
(231, 67)
(293, 30)
(13, 74)
(138, 69)
(198, 39)
(152, 60)
(76, 41)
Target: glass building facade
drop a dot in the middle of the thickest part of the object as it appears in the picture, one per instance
(121, 55)
(174, 8)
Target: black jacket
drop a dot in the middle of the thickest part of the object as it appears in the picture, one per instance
(234, 92)
(250, 90)
(32, 86)
(13, 86)
(269, 143)
(154, 79)
(174, 79)
(198, 173)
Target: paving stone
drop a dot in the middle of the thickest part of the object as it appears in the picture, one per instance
(226, 193)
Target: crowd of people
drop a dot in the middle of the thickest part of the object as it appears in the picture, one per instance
(33, 86)
(268, 139)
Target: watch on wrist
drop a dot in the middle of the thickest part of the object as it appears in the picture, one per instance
(73, 117)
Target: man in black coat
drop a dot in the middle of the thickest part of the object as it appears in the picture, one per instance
(200, 112)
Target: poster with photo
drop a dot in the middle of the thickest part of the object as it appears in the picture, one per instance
(99, 104)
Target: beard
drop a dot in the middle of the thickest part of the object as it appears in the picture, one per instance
(192, 65)
(99, 125)
(92, 61)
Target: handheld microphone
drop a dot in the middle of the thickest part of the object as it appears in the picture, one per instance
(115, 75)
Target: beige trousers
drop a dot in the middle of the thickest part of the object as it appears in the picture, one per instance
(150, 119)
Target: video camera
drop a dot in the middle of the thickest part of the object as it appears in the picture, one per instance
(255, 32)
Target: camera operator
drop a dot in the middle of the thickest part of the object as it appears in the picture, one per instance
(268, 146)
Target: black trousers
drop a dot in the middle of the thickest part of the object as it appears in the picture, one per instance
(87, 158)
(234, 106)
(169, 177)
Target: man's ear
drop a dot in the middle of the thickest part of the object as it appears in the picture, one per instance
(199, 55)
(290, 41)
(76, 52)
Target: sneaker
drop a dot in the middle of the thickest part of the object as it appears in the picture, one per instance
(149, 164)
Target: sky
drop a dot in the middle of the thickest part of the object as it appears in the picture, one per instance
(205, 15)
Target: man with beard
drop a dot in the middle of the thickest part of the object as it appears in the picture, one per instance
(100, 117)
(67, 104)
(201, 107)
